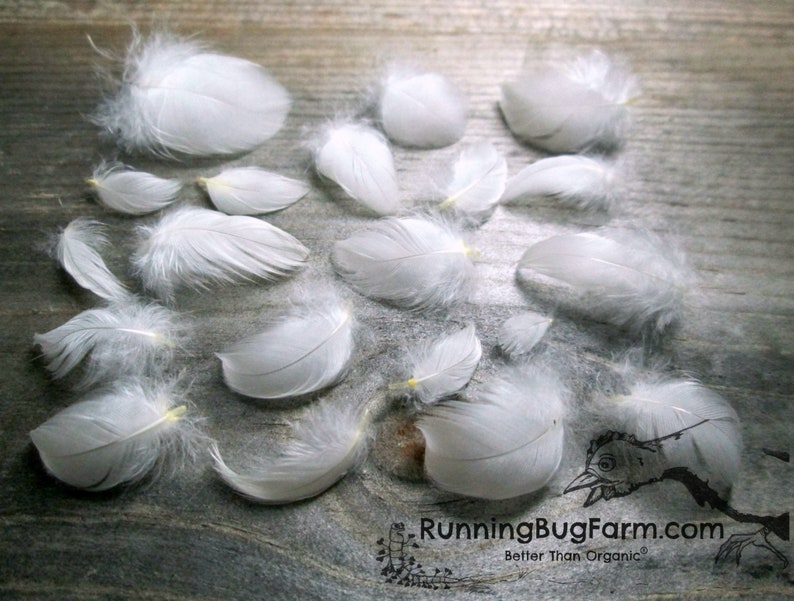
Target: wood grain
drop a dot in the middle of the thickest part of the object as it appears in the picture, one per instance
(708, 162)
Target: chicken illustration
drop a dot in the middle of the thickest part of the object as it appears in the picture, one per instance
(618, 464)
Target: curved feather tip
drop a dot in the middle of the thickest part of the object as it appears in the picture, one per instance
(306, 351)
(421, 110)
(443, 366)
(505, 442)
(572, 107)
(175, 97)
(116, 437)
(631, 279)
(197, 247)
(328, 442)
(411, 262)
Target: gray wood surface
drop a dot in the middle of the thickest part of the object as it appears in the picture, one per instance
(709, 162)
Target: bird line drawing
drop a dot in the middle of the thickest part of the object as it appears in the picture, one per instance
(618, 463)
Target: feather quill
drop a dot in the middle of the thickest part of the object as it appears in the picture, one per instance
(308, 350)
(421, 110)
(576, 106)
(176, 95)
(252, 191)
(359, 160)
(521, 333)
(115, 437)
(442, 367)
(122, 339)
(196, 247)
(711, 445)
(132, 192)
(328, 443)
(411, 262)
(505, 442)
(477, 183)
(631, 279)
(575, 181)
(78, 253)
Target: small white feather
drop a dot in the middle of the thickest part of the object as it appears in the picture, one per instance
(328, 443)
(422, 110)
(122, 339)
(477, 183)
(521, 333)
(196, 247)
(306, 351)
(132, 192)
(359, 160)
(631, 279)
(78, 253)
(411, 262)
(114, 437)
(176, 95)
(442, 367)
(507, 441)
(573, 107)
(252, 191)
(575, 181)
(711, 445)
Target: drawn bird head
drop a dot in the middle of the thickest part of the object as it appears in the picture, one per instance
(617, 464)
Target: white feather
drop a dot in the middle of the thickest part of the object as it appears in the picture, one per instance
(78, 253)
(477, 183)
(507, 441)
(132, 192)
(422, 110)
(196, 247)
(302, 353)
(443, 366)
(521, 333)
(411, 262)
(711, 448)
(176, 95)
(114, 437)
(630, 279)
(125, 338)
(576, 181)
(252, 191)
(573, 107)
(328, 442)
(359, 160)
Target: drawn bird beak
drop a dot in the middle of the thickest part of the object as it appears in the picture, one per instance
(588, 479)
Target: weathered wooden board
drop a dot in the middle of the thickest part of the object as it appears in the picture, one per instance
(709, 161)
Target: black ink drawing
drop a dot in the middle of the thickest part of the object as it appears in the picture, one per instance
(618, 464)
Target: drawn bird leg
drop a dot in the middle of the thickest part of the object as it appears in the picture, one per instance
(736, 543)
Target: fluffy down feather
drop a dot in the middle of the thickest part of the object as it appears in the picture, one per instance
(115, 437)
(477, 183)
(628, 278)
(302, 353)
(507, 441)
(175, 95)
(132, 192)
(573, 107)
(328, 442)
(252, 191)
(359, 160)
(422, 110)
(122, 339)
(443, 366)
(521, 333)
(411, 262)
(195, 247)
(711, 445)
(576, 181)
(78, 253)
